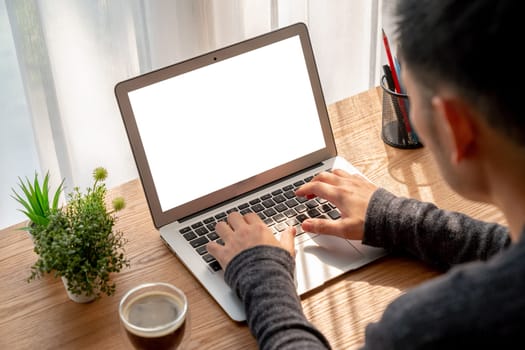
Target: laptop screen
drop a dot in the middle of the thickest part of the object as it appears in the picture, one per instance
(206, 129)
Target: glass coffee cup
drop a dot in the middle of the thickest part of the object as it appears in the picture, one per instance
(155, 316)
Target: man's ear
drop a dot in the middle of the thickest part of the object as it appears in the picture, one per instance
(457, 125)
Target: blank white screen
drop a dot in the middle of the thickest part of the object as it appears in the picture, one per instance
(223, 123)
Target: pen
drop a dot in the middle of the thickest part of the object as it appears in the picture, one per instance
(388, 77)
(398, 72)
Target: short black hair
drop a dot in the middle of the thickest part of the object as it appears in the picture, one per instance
(471, 46)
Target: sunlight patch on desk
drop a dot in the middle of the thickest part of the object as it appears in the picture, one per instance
(343, 310)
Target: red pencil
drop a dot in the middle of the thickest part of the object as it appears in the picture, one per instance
(396, 82)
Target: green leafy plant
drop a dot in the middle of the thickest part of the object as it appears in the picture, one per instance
(34, 197)
(79, 242)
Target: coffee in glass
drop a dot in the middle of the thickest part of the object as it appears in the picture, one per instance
(155, 316)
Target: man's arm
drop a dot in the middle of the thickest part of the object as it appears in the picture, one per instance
(263, 278)
(259, 268)
(379, 218)
(442, 238)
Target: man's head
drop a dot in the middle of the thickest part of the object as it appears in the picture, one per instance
(461, 68)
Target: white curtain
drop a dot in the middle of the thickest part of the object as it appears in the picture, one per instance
(71, 53)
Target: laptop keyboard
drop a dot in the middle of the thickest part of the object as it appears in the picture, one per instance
(279, 209)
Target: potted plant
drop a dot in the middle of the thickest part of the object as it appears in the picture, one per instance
(79, 244)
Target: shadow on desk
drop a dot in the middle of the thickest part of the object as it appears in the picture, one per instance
(343, 307)
(417, 176)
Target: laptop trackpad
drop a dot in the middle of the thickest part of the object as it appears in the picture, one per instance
(321, 258)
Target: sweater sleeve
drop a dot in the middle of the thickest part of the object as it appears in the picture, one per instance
(439, 237)
(263, 279)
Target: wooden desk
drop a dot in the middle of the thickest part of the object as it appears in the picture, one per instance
(39, 315)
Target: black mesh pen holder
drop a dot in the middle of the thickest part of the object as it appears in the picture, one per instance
(396, 130)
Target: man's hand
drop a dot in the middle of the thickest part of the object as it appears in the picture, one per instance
(244, 232)
(350, 193)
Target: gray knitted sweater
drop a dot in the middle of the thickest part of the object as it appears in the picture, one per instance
(478, 303)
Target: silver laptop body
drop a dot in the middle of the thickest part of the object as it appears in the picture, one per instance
(214, 133)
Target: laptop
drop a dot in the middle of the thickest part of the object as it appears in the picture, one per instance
(239, 128)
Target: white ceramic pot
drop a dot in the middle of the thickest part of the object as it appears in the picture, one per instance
(78, 298)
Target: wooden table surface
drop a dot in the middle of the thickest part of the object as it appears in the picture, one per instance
(39, 315)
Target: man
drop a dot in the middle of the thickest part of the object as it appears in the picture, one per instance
(459, 69)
